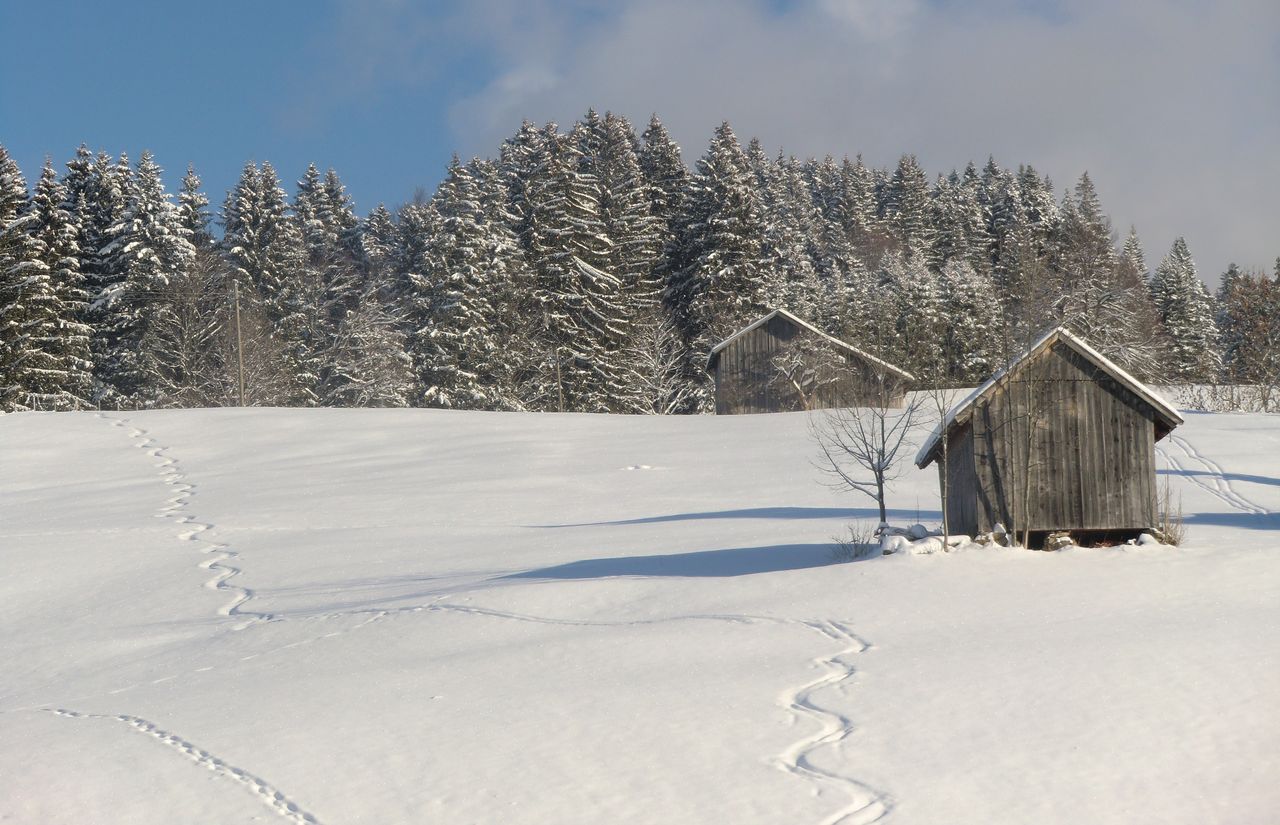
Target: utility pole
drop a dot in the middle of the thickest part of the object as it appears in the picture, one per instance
(546, 323)
(559, 380)
(235, 297)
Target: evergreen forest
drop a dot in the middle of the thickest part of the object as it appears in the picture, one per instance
(584, 269)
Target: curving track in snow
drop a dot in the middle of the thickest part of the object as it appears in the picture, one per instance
(1217, 485)
(865, 805)
(222, 559)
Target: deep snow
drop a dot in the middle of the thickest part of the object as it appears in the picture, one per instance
(341, 616)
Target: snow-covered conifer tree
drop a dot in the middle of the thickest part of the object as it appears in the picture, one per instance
(377, 237)
(17, 257)
(147, 249)
(193, 210)
(1249, 325)
(98, 192)
(522, 159)
(959, 228)
(450, 341)
(973, 320)
(265, 252)
(634, 233)
(585, 323)
(907, 204)
(1084, 290)
(793, 231)
(667, 185)
(917, 299)
(1186, 312)
(720, 285)
(54, 371)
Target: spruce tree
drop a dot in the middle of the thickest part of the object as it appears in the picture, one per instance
(820, 191)
(907, 204)
(146, 250)
(789, 253)
(377, 238)
(98, 193)
(450, 343)
(1186, 312)
(719, 285)
(265, 253)
(859, 210)
(972, 312)
(667, 186)
(193, 211)
(522, 160)
(1084, 268)
(917, 306)
(1249, 325)
(515, 324)
(54, 372)
(18, 261)
(585, 323)
(1138, 341)
(959, 229)
(330, 281)
(626, 214)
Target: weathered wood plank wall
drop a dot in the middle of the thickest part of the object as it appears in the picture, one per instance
(746, 380)
(1065, 440)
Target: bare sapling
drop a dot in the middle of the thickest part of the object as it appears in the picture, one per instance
(863, 448)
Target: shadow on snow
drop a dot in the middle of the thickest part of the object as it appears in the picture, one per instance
(1242, 521)
(1228, 476)
(723, 563)
(769, 513)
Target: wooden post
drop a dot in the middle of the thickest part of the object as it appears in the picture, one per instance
(235, 297)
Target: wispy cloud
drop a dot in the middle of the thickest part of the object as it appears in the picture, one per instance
(1170, 104)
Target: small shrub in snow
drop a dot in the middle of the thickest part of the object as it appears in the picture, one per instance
(858, 542)
(1169, 528)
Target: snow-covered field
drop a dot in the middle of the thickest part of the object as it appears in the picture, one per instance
(342, 616)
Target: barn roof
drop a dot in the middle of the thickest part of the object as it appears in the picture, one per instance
(847, 347)
(959, 413)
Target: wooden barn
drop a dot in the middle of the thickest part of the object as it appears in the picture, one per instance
(781, 363)
(1060, 440)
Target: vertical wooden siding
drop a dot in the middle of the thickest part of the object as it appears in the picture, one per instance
(962, 477)
(1091, 463)
(747, 382)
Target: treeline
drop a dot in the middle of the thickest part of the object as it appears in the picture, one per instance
(586, 270)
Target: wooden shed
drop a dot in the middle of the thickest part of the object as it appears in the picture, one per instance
(1060, 440)
(781, 363)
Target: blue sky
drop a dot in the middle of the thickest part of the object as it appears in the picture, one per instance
(217, 84)
(1171, 105)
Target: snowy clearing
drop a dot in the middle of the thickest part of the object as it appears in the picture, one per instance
(409, 616)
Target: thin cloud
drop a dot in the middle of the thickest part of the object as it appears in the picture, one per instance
(1169, 104)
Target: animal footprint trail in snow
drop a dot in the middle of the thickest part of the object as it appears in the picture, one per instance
(270, 795)
(221, 557)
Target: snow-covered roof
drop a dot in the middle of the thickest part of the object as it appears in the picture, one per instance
(866, 356)
(959, 412)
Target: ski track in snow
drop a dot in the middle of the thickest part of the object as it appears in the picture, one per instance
(270, 795)
(1218, 484)
(222, 558)
(865, 805)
